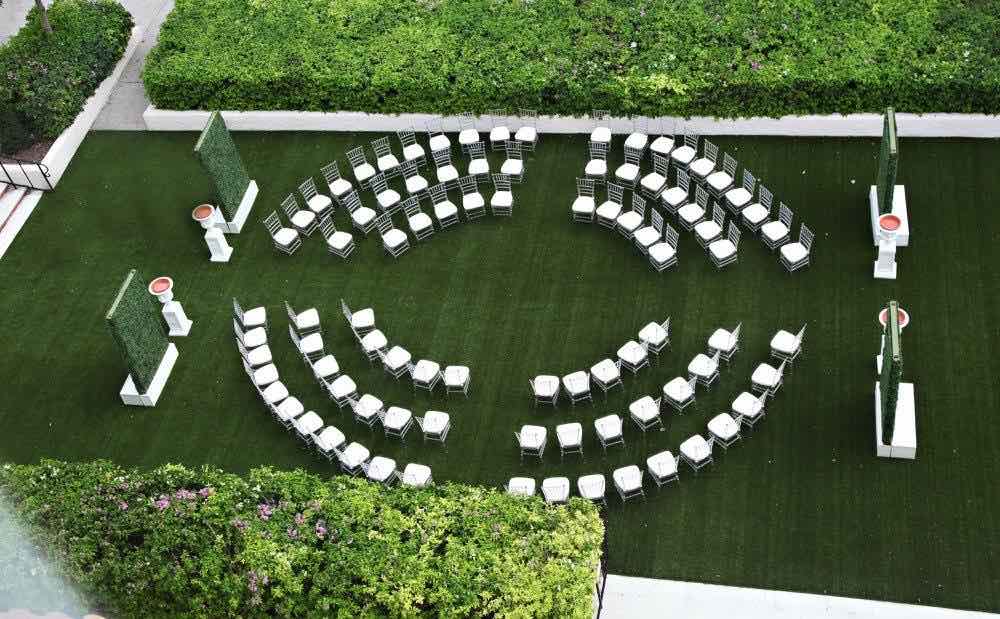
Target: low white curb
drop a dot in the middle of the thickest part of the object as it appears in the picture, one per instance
(910, 125)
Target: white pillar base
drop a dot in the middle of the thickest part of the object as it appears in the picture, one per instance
(219, 249)
(904, 435)
(885, 273)
(131, 396)
(902, 235)
(242, 213)
(177, 321)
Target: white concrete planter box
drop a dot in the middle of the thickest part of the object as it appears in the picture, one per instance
(130, 394)
(904, 435)
(867, 125)
(902, 235)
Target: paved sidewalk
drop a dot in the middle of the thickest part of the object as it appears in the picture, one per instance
(627, 597)
(124, 108)
(12, 16)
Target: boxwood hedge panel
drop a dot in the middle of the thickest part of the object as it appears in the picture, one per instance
(652, 57)
(137, 329)
(219, 156)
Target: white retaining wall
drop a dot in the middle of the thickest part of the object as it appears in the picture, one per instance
(909, 125)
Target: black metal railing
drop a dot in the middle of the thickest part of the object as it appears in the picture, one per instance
(33, 174)
(602, 574)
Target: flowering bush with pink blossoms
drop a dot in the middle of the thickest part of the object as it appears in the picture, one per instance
(178, 541)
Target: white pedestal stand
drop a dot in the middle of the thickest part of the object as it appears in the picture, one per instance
(898, 209)
(242, 213)
(885, 263)
(130, 394)
(904, 434)
(218, 247)
(173, 312)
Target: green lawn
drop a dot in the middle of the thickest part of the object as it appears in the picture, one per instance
(802, 505)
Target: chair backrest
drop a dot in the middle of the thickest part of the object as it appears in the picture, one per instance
(734, 335)
(765, 197)
(331, 171)
(798, 336)
(513, 149)
(438, 194)
(291, 312)
(666, 323)
(352, 201)
(469, 184)
(715, 358)
(718, 215)
(734, 233)
(289, 205)
(384, 224)
(729, 165)
(435, 127)
(411, 207)
(616, 193)
(327, 227)
(585, 187)
(691, 140)
(749, 181)
(701, 197)
(346, 310)
(692, 383)
(600, 116)
(683, 180)
(785, 215)
(711, 151)
(530, 116)
(501, 182)
(308, 188)
(237, 310)
(466, 120)
(640, 124)
(639, 204)
(661, 165)
(598, 150)
(409, 168)
(442, 158)
(498, 116)
(672, 237)
(406, 137)
(379, 183)
(633, 155)
(294, 335)
(357, 156)
(381, 147)
(806, 237)
(657, 221)
(781, 369)
(476, 151)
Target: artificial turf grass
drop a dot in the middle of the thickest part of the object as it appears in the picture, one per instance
(802, 504)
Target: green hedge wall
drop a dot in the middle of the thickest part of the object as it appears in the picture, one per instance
(182, 542)
(137, 329)
(654, 57)
(220, 158)
(45, 80)
(892, 372)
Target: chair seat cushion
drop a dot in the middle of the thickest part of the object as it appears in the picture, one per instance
(363, 216)
(662, 252)
(702, 366)
(339, 187)
(387, 162)
(596, 167)
(394, 238)
(374, 340)
(368, 406)
(456, 375)
(329, 438)
(479, 166)
(708, 230)
(645, 409)
(628, 478)
(311, 344)
(627, 171)
(521, 486)
(662, 145)
(747, 405)
(468, 136)
(363, 318)
(605, 371)
(439, 142)
(275, 392)
(444, 210)
(721, 339)
(653, 333)
(583, 205)
(785, 342)
(696, 448)
(259, 356)
(774, 230)
(674, 196)
(722, 249)
(794, 252)
(319, 203)
(255, 317)
(499, 134)
(632, 353)
(396, 418)
(308, 423)
(526, 134)
(678, 390)
(653, 181)
(691, 212)
(413, 151)
(354, 455)
(343, 386)
(765, 375)
(512, 167)
(502, 198)
(637, 140)
(629, 220)
(326, 366)
(532, 437)
(591, 486)
(381, 468)
(303, 219)
(608, 427)
(415, 184)
(364, 171)
(290, 408)
(447, 174)
(723, 426)
(555, 489)
(662, 464)
(435, 422)
(286, 236)
(387, 198)
(339, 240)
(577, 383)
(683, 154)
(569, 434)
(420, 221)
(702, 167)
(719, 180)
(647, 236)
(601, 134)
(255, 337)
(609, 210)
(738, 197)
(755, 213)
(426, 370)
(307, 319)
(473, 201)
(546, 386)
(397, 357)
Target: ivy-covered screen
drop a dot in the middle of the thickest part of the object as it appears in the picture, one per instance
(888, 159)
(217, 153)
(892, 372)
(137, 329)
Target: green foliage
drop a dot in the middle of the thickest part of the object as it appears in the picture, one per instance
(219, 156)
(47, 79)
(892, 373)
(137, 328)
(652, 57)
(175, 541)
(888, 160)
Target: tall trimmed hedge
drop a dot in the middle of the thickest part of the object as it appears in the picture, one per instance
(653, 57)
(205, 543)
(888, 161)
(136, 326)
(45, 80)
(892, 373)
(219, 156)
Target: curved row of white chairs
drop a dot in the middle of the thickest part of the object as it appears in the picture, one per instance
(397, 361)
(666, 152)
(606, 374)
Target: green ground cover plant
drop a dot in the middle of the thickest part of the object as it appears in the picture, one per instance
(45, 79)
(178, 541)
(649, 57)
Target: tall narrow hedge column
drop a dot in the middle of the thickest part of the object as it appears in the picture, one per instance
(135, 325)
(888, 160)
(234, 190)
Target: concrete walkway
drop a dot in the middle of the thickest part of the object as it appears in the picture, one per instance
(626, 597)
(13, 14)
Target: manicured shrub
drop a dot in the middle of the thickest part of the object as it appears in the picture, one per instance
(135, 324)
(221, 159)
(47, 79)
(652, 57)
(182, 542)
